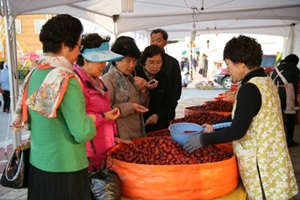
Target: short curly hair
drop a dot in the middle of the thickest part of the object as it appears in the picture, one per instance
(60, 29)
(243, 49)
(126, 46)
(151, 51)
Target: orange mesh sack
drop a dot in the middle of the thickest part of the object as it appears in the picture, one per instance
(178, 181)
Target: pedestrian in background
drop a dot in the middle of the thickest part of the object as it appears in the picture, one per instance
(195, 64)
(5, 87)
(1, 91)
(56, 116)
(203, 65)
(286, 78)
(185, 80)
(257, 130)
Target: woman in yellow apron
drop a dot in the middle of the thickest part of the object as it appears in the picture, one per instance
(257, 130)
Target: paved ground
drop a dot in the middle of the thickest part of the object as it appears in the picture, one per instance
(190, 97)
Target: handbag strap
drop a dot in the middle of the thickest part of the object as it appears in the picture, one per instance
(95, 152)
(280, 75)
(93, 146)
(19, 164)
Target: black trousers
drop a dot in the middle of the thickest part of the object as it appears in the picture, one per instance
(290, 126)
(6, 99)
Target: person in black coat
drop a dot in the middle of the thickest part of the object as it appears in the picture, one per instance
(160, 108)
(290, 71)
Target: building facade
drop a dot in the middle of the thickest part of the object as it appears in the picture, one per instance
(27, 34)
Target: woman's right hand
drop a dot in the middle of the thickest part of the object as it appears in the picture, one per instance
(139, 108)
(113, 114)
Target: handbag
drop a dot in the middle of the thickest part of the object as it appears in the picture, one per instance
(290, 107)
(105, 183)
(15, 174)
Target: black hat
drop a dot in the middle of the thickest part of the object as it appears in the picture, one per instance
(292, 58)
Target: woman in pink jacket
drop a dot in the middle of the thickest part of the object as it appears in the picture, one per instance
(90, 64)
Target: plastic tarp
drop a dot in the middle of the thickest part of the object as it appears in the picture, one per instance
(214, 16)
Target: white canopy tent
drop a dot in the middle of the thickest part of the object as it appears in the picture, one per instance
(176, 16)
(293, 41)
(274, 17)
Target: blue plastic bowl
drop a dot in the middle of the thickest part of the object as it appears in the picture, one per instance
(178, 134)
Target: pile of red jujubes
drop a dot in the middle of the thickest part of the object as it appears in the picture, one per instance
(200, 118)
(190, 131)
(162, 132)
(164, 151)
(219, 106)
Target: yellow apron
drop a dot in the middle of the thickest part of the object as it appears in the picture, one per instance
(262, 152)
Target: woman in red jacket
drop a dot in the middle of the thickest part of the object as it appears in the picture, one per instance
(90, 64)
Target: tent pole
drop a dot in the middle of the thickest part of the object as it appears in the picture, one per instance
(115, 25)
(13, 67)
(192, 39)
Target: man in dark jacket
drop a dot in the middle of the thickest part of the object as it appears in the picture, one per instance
(170, 67)
(289, 70)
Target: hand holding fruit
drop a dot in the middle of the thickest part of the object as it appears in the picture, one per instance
(113, 114)
(139, 108)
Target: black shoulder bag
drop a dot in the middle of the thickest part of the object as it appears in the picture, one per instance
(15, 174)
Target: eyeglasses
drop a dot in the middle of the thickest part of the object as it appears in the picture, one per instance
(152, 62)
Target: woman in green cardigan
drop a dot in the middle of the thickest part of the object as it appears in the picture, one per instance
(56, 116)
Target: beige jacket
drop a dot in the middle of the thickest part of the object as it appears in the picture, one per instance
(123, 92)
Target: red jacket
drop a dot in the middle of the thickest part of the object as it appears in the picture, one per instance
(97, 103)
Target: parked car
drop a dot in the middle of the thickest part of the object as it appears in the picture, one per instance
(223, 78)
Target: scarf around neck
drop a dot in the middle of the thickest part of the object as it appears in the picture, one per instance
(121, 87)
(47, 98)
